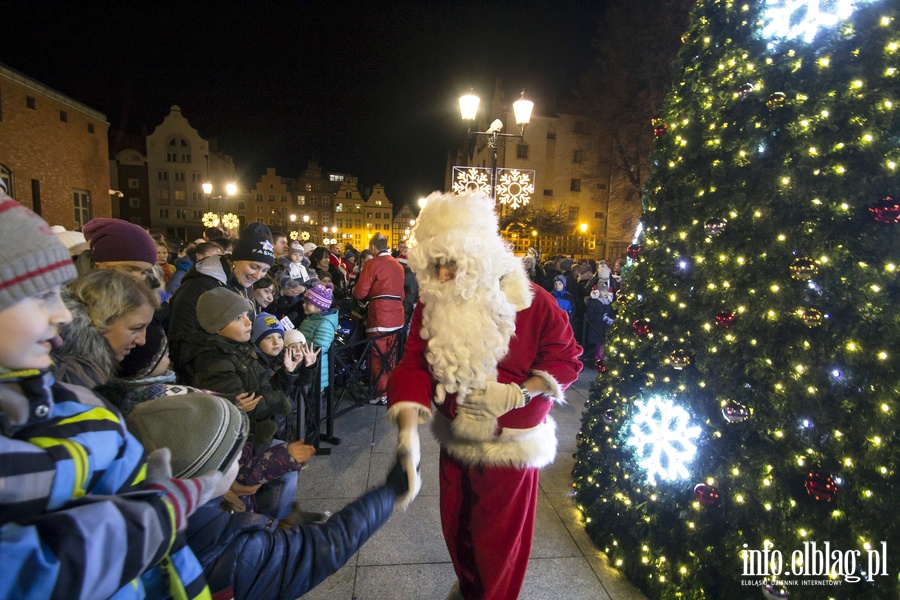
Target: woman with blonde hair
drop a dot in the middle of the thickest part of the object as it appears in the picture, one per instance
(110, 313)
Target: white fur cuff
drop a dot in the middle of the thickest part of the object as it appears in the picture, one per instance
(555, 390)
(396, 409)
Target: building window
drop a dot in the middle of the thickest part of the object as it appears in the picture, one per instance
(521, 151)
(179, 175)
(195, 197)
(576, 156)
(284, 198)
(198, 214)
(551, 135)
(133, 183)
(195, 177)
(162, 175)
(369, 215)
(339, 222)
(308, 187)
(314, 201)
(162, 194)
(548, 192)
(242, 205)
(30, 102)
(179, 194)
(259, 197)
(326, 218)
(81, 200)
(301, 200)
(186, 158)
(181, 214)
(6, 176)
(326, 201)
(339, 208)
(573, 213)
(271, 197)
(259, 210)
(90, 128)
(63, 116)
(171, 157)
(575, 185)
(164, 213)
(134, 202)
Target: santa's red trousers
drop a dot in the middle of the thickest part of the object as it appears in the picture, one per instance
(487, 514)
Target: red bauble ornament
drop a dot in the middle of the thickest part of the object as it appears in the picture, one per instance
(706, 495)
(725, 319)
(633, 250)
(822, 488)
(640, 327)
(886, 211)
(600, 365)
(660, 131)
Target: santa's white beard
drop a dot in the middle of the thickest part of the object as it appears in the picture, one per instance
(467, 333)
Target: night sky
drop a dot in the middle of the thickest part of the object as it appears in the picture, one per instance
(365, 88)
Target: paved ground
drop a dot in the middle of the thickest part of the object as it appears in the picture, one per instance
(407, 557)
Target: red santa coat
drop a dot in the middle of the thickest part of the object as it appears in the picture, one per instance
(543, 345)
(381, 280)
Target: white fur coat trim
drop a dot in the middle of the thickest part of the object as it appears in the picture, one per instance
(518, 448)
(555, 392)
(517, 288)
(396, 409)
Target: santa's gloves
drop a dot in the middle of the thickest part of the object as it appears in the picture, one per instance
(493, 401)
(183, 495)
(409, 458)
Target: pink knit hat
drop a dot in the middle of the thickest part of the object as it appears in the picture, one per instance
(319, 296)
(115, 240)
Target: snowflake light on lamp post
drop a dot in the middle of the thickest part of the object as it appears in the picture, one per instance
(515, 187)
(210, 219)
(789, 19)
(230, 221)
(472, 180)
(662, 437)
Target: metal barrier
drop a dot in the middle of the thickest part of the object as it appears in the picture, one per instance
(350, 384)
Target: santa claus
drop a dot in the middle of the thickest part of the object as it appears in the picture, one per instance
(492, 353)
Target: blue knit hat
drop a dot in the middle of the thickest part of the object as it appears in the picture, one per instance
(263, 325)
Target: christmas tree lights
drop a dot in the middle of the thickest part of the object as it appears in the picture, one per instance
(762, 299)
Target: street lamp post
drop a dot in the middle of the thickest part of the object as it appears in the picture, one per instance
(211, 219)
(468, 108)
(584, 228)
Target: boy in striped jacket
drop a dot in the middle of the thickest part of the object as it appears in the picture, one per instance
(83, 512)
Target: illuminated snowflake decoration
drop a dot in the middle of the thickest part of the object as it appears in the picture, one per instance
(788, 19)
(294, 235)
(230, 221)
(472, 180)
(210, 219)
(515, 187)
(304, 235)
(662, 437)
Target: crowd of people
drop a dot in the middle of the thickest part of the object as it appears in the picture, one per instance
(156, 384)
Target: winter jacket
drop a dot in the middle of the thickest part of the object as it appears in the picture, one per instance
(246, 555)
(85, 357)
(182, 266)
(230, 368)
(565, 301)
(597, 318)
(66, 528)
(207, 274)
(320, 329)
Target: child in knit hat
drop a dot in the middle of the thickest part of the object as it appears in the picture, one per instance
(243, 555)
(70, 493)
(223, 360)
(318, 328)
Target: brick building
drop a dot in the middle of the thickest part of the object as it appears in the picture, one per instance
(53, 152)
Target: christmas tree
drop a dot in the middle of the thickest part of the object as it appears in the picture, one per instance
(751, 397)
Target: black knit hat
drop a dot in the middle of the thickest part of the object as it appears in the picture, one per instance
(141, 361)
(254, 243)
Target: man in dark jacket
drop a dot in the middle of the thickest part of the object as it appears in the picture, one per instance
(246, 555)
